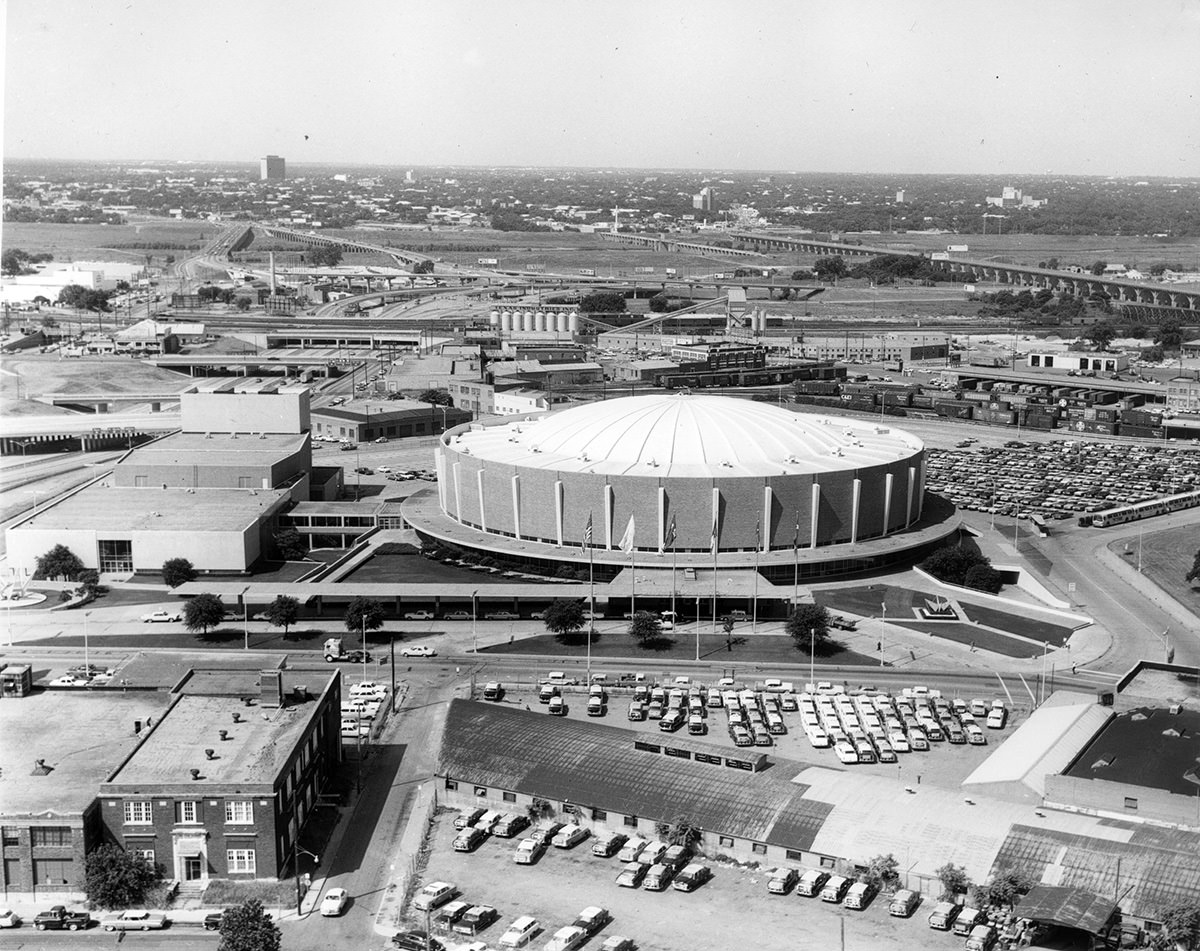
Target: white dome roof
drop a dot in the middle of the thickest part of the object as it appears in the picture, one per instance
(687, 435)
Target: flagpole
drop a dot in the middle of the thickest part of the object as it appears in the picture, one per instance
(714, 604)
(754, 609)
(632, 584)
(796, 567)
(591, 614)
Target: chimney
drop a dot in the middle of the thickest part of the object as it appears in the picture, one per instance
(271, 688)
(300, 692)
(195, 773)
(224, 734)
(237, 717)
(272, 273)
(137, 727)
(210, 754)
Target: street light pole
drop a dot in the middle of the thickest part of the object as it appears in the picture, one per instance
(245, 620)
(812, 653)
(882, 627)
(474, 618)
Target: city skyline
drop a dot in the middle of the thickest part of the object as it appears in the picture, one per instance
(860, 88)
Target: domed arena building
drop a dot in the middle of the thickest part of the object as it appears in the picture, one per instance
(686, 480)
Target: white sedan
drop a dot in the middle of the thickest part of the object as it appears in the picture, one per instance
(418, 650)
(70, 680)
(9, 919)
(161, 615)
(334, 902)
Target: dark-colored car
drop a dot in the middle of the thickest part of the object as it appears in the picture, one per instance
(60, 918)
(415, 941)
(475, 919)
(212, 921)
(592, 919)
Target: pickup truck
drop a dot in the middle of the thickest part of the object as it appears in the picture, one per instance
(134, 920)
(59, 918)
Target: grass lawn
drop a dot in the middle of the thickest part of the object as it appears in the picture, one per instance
(1033, 628)
(417, 568)
(865, 601)
(221, 893)
(766, 649)
(79, 242)
(979, 637)
(1166, 557)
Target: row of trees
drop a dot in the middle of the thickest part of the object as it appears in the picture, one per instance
(16, 261)
(964, 566)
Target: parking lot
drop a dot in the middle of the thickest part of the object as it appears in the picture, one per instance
(1059, 479)
(943, 764)
(729, 911)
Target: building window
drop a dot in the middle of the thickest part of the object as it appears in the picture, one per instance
(794, 855)
(187, 811)
(239, 810)
(827, 862)
(758, 848)
(51, 871)
(631, 821)
(1130, 802)
(726, 841)
(116, 555)
(451, 784)
(510, 797)
(599, 815)
(245, 482)
(240, 860)
(10, 835)
(50, 835)
(147, 854)
(481, 790)
(138, 810)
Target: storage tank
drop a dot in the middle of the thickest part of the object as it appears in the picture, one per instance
(494, 318)
(560, 322)
(539, 322)
(573, 322)
(527, 321)
(506, 322)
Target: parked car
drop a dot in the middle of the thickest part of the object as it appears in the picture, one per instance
(523, 930)
(859, 895)
(569, 836)
(469, 839)
(529, 850)
(558, 707)
(458, 616)
(493, 690)
(475, 919)
(161, 615)
(637, 710)
(60, 918)
(835, 889)
(617, 942)
(212, 921)
(334, 902)
(502, 616)
(692, 877)
(9, 919)
(592, 919)
(450, 913)
(659, 877)
(567, 938)
(607, 844)
(133, 919)
(782, 881)
(468, 818)
(632, 874)
(904, 903)
(418, 616)
(434, 895)
(943, 915)
(416, 940)
(996, 718)
(510, 824)
(632, 849)
(418, 650)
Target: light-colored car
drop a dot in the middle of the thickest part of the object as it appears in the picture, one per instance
(334, 902)
(502, 616)
(529, 850)
(458, 616)
(70, 680)
(135, 919)
(632, 874)
(161, 615)
(9, 919)
(520, 932)
(566, 939)
(569, 836)
(434, 895)
(418, 616)
(418, 650)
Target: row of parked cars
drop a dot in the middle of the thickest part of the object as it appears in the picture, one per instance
(84, 675)
(360, 706)
(451, 913)
(62, 918)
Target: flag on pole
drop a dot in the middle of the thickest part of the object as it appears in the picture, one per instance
(796, 540)
(587, 534)
(714, 537)
(758, 534)
(669, 541)
(626, 543)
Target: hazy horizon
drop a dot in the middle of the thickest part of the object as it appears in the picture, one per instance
(927, 87)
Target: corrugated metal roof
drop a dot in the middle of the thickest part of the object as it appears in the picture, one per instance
(595, 765)
(1069, 907)
(1152, 869)
(1045, 743)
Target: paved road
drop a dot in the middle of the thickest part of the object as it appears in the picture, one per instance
(174, 939)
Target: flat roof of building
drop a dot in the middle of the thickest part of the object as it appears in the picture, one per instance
(217, 449)
(103, 508)
(1147, 746)
(254, 750)
(83, 735)
(374, 410)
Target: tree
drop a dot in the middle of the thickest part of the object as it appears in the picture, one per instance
(89, 584)
(1159, 269)
(603, 302)
(1194, 574)
(423, 267)
(1181, 921)
(177, 571)
(202, 612)
(954, 879)
(660, 303)
(1102, 334)
(242, 304)
(83, 298)
(805, 621)
(882, 871)
(803, 275)
(1006, 886)
(437, 397)
(984, 578)
(325, 256)
(951, 564)
(282, 612)
(830, 268)
(645, 626)
(364, 614)
(291, 544)
(682, 831)
(1169, 334)
(564, 616)
(248, 927)
(1098, 267)
(58, 562)
(114, 878)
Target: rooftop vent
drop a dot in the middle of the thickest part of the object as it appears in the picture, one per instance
(224, 734)
(41, 769)
(195, 773)
(210, 754)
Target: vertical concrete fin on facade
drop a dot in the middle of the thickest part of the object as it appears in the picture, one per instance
(912, 484)
(439, 460)
(662, 518)
(768, 506)
(815, 504)
(516, 505)
(608, 516)
(482, 496)
(855, 509)
(457, 489)
(888, 482)
(716, 515)
(558, 511)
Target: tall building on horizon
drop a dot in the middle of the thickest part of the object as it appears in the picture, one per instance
(271, 168)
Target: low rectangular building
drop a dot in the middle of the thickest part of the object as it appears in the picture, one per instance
(368, 420)
(1183, 394)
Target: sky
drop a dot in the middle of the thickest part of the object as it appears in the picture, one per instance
(1091, 87)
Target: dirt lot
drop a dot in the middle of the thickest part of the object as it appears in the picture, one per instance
(82, 242)
(733, 907)
(942, 765)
